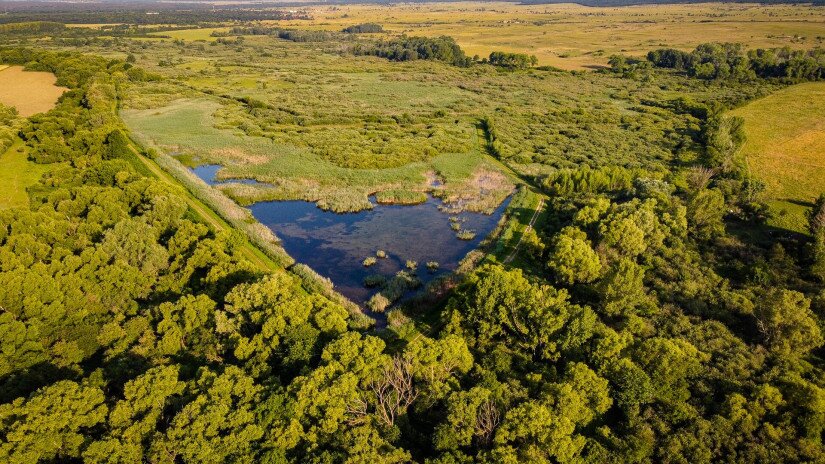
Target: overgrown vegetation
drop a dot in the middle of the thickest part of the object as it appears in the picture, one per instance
(643, 313)
(365, 28)
(730, 61)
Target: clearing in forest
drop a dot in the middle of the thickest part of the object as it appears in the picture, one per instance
(785, 148)
(17, 173)
(31, 92)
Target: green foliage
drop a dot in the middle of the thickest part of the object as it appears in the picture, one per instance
(293, 35)
(723, 137)
(51, 423)
(365, 28)
(572, 259)
(416, 48)
(513, 60)
(131, 332)
(787, 324)
(705, 212)
(729, 61)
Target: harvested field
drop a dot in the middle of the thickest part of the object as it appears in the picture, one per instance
(31, 92)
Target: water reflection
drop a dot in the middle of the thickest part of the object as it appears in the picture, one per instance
(335, 245)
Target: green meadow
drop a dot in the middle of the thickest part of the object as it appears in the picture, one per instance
(785, 148)
(320, 125)
(17, 173)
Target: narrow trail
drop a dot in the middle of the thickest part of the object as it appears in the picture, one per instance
(529, 226)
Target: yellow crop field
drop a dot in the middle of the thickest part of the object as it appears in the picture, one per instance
(29, 92)
(786, 148)
(578, 37)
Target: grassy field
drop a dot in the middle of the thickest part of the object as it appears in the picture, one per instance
(193, 34)
(786, 148)
(187, 127)
(319, 125)
(16, 174)
(29, 92)
(579, 37)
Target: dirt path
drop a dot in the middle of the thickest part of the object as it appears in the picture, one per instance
(529, 226)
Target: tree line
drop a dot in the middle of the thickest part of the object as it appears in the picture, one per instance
(406, 48)
(732, 61)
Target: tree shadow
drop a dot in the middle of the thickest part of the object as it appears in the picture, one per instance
(123, 368)
(794, 201)
(25, 381)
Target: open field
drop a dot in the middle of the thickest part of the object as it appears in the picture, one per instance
(313, 123)
(194, 34)
(786, 148)
(16, 174)
(572, 36)
(29, 92)
(187, 127)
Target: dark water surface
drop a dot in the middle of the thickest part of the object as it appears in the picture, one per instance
(335, 245)
(208, 173)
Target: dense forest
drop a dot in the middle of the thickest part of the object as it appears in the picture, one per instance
(644, 325)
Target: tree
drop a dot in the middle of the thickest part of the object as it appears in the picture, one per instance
(219, 425)
(472, 417)
(623, 291)
(51, 424)
(623, 234)
(497, 305)
(572, 259)
(136, 418)
(816, 225)
(816, 216)
(705, 213)
(787, 324)
(670, 364)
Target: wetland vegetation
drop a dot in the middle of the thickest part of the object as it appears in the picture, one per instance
(369, 233)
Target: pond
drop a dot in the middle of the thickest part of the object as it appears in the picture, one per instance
(209, 172)
(335, 245)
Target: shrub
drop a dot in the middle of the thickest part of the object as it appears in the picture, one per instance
(465, 234)
(375, 280)
(378, 303)
(366, 28)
